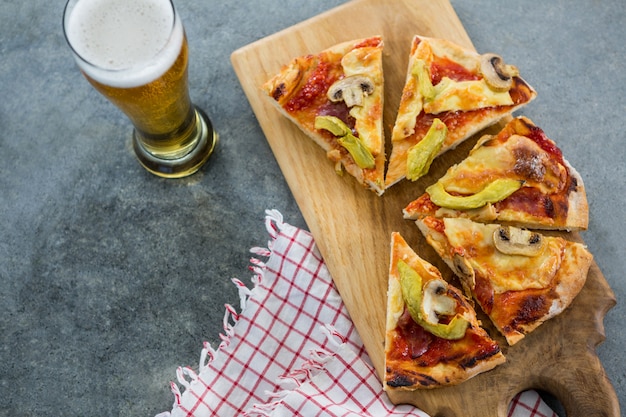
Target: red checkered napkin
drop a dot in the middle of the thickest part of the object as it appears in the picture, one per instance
(293, 350)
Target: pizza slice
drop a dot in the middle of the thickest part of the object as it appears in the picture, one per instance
(519, 278)
(518, 177)
(432, 337)
(450, 94)
(336, 98)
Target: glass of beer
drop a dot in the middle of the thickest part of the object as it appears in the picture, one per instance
(135, 54)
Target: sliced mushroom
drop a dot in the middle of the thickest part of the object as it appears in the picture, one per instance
(497, 74)
(464, 271)
(436, 301)
(515, 241)
(351, 89)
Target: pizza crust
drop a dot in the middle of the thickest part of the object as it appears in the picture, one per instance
(578, 210)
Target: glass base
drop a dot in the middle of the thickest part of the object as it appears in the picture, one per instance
(188, 164)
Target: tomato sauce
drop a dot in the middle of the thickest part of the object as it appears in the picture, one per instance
(435, 223)
(318, 82)
(443, 67)
(516, 308)
(369, 43)
(414, 343)
(422, 205)
(535, 203)
(484, 294)
(454, 120)
(539, 137)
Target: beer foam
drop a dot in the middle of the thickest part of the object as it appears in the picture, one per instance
(124, 43)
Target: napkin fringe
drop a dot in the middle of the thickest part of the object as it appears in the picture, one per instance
(308, 370)
(186, 376)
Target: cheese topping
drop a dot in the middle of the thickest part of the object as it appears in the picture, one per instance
(446, 49)
(411, 104)
(505, 272)
(395, 303)
(464, 96)
(518, 158)
(366, 61)
(410, 108)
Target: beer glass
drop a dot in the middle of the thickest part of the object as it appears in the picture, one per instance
(135, 54)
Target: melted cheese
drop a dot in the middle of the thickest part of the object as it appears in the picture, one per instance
(410, 107)
(453, 95)
(367, 61)
(505, 272)
(446, 49)
(483, 164)
(519, 157)
(395, 303)
(411, 104)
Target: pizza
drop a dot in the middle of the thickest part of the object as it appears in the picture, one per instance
(336, 98)
(518, 177)
(450, 93)
(481, 217)
(432, 336)
(519, 278)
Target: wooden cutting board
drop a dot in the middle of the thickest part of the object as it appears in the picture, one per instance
(352, 226)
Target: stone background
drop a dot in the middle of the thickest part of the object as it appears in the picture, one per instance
(110, 278)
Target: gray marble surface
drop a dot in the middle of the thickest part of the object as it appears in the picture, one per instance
(110, 278)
